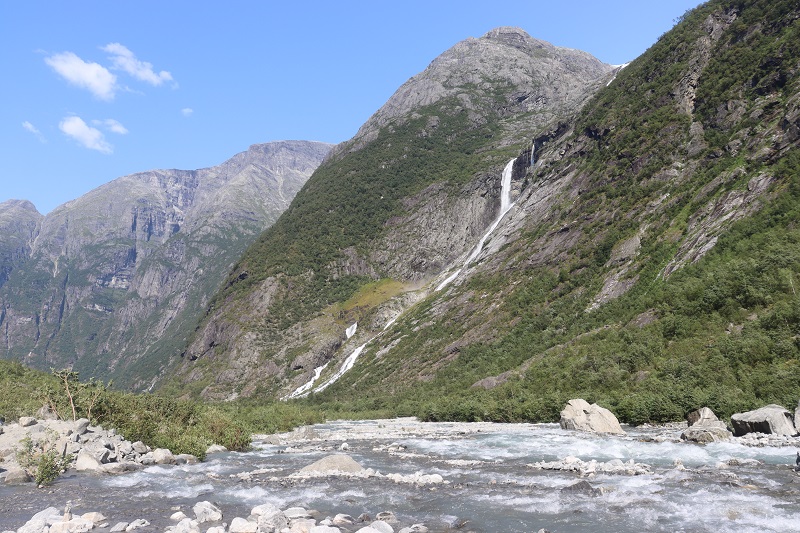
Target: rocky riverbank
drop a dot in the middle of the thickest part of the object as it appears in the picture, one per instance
(92, 448)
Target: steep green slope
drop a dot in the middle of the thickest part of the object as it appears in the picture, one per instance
(651, 264)
(407, 196)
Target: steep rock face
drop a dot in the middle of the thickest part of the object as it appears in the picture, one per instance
(410, 194)
(19, 225)
(115, 279)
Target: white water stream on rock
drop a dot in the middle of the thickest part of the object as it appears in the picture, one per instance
(489, 483)
(505, 206)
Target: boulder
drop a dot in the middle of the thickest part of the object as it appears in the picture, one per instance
(216, 448)
(140, 447)
(16, 475)
(582, 487)
(704, 417)
(296, 513)
(240, 525)
(381, 526)
(163, 456)
(119, 527)
(27, 421)
(86, 462)
(704, 435)
(302, 525)
(581, 416)
(207, 512)
(270, 521)
(81, 426)
(324, 529)
(771, 419)
(137, 524)
(75, 525)
(338, 462)
(40, 521)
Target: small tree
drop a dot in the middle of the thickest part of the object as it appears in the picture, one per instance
(67, 378)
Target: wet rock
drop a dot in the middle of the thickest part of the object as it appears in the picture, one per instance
(581, 416)
(381, 526)
(119, 527)
(94, 517)
(296, 513)
(75, 525)
(240, 525)
(15, 475)
(178, 516)
(704, 435)
(771, 419)
(416, 528)
(187, 525)
(588, 468)
(301, 525)
(137, 524)
(207, 512)
(582, 487)
(343, 520)
(186, 459)
(334, 463)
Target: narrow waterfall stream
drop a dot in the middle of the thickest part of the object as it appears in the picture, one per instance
(505, 206)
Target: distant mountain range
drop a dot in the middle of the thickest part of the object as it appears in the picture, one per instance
(112, 283)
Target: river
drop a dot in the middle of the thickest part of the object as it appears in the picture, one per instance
(489, 483)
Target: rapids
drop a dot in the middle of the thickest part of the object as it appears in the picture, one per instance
(489, 483)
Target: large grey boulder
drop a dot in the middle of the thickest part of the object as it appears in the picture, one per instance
(705, 427)
(704, 417)
(337, 462)
(87, 462)
(705, 434)
(579, 415)
(771, 419)
(163, 456)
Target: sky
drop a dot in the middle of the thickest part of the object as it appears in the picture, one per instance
(95, 90)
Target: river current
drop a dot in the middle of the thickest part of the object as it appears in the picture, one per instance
(489, 483)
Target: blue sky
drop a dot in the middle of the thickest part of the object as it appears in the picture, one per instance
(94, 90)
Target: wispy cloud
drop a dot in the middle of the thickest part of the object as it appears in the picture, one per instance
(111, 125)
(86, 135)
(91, 76)
(33, 129)
(123, 59)
(187, 111)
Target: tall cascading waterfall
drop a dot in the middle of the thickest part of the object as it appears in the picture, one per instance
(505, 206)
(349, 362)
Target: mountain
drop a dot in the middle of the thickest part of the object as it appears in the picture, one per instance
(648, 262)
(385, 213)
(110, 284)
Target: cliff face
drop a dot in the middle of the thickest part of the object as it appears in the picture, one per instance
(19, 225)
(114, 281)
(386, 213)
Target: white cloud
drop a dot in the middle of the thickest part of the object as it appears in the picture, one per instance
(92, 76)
(124, 59)
(187, 111)
(86, 135)
(111, 125)
(33, 129)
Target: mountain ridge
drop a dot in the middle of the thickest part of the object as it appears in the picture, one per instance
(121, 264)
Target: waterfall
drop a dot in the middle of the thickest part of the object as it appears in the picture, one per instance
(351, 330)
(505, 206)
(347, 365)
(303, 390)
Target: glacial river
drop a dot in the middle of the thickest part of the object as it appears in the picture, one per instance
(489, 483)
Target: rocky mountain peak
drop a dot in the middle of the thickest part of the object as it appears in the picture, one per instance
(502, 72)
(22, 205)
